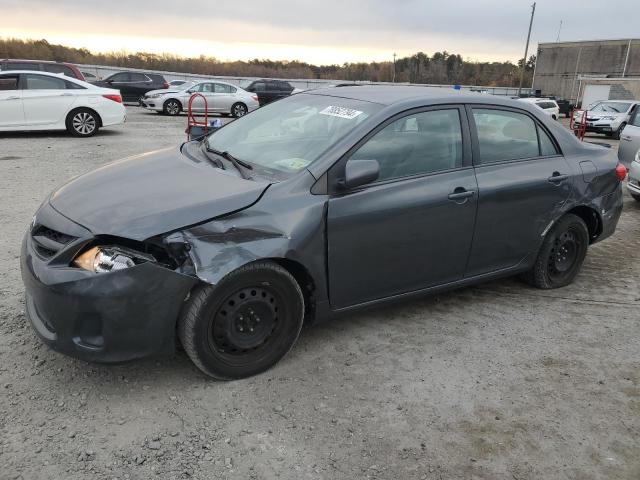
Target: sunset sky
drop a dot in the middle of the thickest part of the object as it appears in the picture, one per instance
(320, 32)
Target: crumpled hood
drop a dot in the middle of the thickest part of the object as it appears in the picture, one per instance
(146, 195)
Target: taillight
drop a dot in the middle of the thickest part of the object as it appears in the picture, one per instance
(115, 98)
(165, 85)
(621, 172)
(255, 97)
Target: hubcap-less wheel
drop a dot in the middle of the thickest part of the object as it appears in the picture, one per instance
(84, 123)
(245, 322)
(563, 255)
(172, 108)
(239, 110)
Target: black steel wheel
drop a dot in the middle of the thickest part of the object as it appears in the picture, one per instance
(239, 110)
(562, 254)
(82, 122)
(245, 324)
(172, 107)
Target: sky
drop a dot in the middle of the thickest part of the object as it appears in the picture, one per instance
(318, 31)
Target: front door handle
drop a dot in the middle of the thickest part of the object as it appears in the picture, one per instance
(558, 177)
(461, 194)
(66, 94)
(12, 98)
(626, 138)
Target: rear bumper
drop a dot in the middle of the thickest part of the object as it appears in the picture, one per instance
(610, 209)
(109, 317)
(114, 115)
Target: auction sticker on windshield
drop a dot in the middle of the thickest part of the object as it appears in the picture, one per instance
(341, 112)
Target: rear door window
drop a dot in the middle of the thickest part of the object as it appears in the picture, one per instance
(223, 88)
(138, 77)
(119, 77)
(9, 82)
(504, 135)
(43, 82)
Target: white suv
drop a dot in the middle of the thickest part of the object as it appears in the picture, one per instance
(549, 106)
(608, 116)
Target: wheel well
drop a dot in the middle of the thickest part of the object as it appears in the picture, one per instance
(85, 108)
(591, 218)
(305, 282)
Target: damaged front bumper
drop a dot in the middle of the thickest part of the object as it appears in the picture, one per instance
(101, 317)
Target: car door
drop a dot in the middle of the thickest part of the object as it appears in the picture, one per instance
(11, 108)
(630, 140)
(46, 99)
(138, 85)
(523, 183)
(412, 228)
(224, 97)
(120, 81)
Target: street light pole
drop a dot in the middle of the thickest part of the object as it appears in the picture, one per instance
(394, 67)
(526, 50)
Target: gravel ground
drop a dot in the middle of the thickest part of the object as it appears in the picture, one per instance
(498, 381)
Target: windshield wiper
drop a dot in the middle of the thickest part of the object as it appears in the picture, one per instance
(215, 161)
(240, 165)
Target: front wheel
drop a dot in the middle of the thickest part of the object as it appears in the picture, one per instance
(82, 122)
(245, 324)
(239, 110)
(172, 107)
(617, 133)
(561, 255)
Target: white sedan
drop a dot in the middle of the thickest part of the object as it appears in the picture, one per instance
(32, 100)
(221, 98)
(548, 105)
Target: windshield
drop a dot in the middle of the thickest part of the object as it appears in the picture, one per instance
(290, 134)
(614, 107)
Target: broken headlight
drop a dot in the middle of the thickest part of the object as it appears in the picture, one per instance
(109, 259)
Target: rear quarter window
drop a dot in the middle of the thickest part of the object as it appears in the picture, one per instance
(9, 82)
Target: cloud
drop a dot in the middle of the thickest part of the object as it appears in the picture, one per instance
(489, 29)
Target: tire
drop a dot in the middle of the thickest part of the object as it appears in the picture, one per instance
(561, 255)
(635, 197)
(239, 110)
(82, 122)
(617, 133)
(245, 324)
(172, 107)
(554, 117)
(140, 101)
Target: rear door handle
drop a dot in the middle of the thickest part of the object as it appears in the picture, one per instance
(66, 94)
(626, 138)
(461, 194)
(557, 177)
(12, 98)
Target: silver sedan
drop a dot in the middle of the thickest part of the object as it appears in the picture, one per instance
(220, 97)
(629, 154)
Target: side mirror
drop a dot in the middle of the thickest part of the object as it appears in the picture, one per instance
(360, 172)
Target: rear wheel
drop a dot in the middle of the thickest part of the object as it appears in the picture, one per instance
(82, 122)
(245, 324)
(561, 255)
(239, 110)
(172, 107)
(635, 197)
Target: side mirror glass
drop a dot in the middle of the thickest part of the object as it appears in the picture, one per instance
(360, 172)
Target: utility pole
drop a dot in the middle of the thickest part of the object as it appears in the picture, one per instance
(526, 50)
(394, 67)
(559, 30)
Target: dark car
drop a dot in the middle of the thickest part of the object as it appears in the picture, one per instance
(67, 69)
(313, 206)
(133, 85)
(565, 106)
(270, 90)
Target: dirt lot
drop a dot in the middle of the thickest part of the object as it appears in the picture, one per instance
(499, 381)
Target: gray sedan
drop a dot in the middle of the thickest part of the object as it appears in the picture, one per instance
(315, 205)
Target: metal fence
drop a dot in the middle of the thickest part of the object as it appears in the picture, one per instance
(301, 83)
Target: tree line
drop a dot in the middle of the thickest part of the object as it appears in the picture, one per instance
(439, 68)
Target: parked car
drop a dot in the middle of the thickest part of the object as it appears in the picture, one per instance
(629, 154)
(548, 106)
(133, 85)
(180, 84)
(221, 98)
(90, 77)
(565, 107)
(269, 90)
(67, 69)
(608, 116)
(32, 100)
(380, 193)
